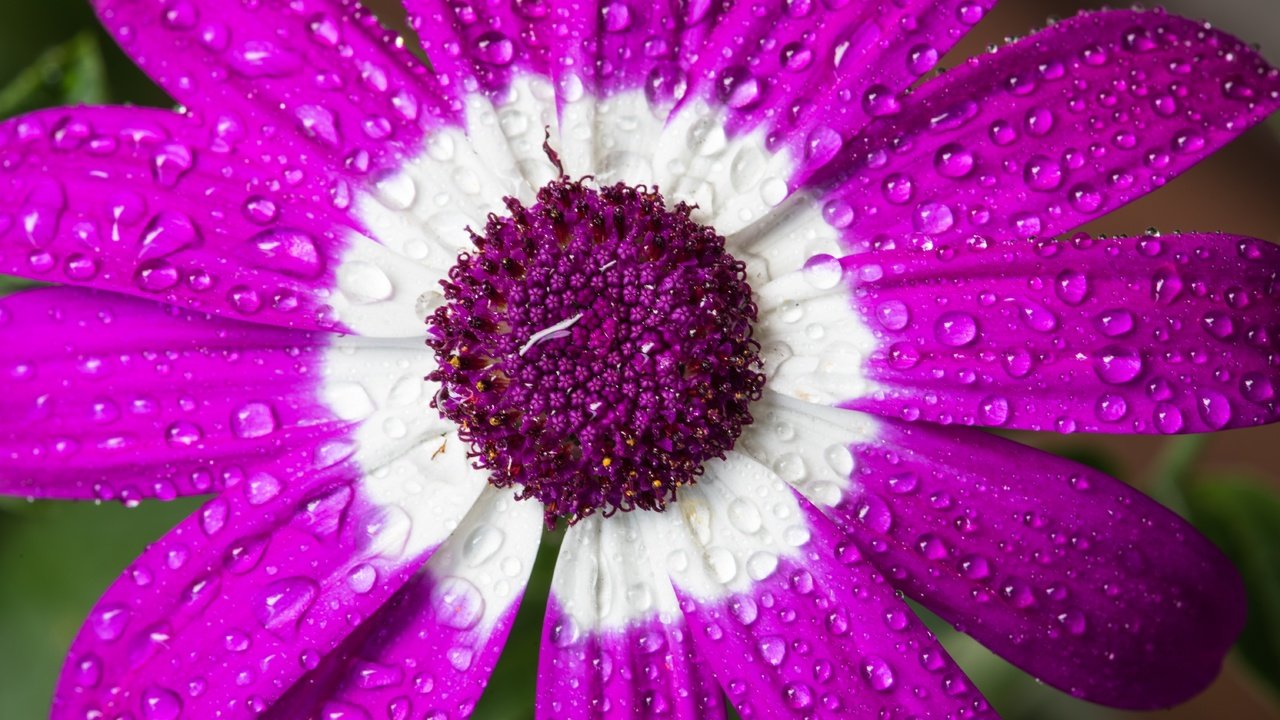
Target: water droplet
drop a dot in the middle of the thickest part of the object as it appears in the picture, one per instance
(921, 59)
(1166, 285)
(263, 58)
(361, 578)
(1111, 408)
(1071, 286)
(1168, 419)
(160, 704)
(953, 160)
(798, 696)
(1218, 324)
(183, 434)
(796, 56)
(167, 233)
(244, 555)
(253, 420)
(616, 16)
(773, 649)
(933, 218)
(319, 123)
(282, 604)
(364, 282)
(893, 314)
(1115, 322)
(1117, 365)
(877, 673)
(956, 328)
(1038, 317)
(458, 603)
(993, 411)
(1043, 174)
(898, 188)
(262, 488)
(880, 101)
(738, 88)
(1257, 387)
(495, 48)
(1214, 409)
(108, 622)
(170, 163)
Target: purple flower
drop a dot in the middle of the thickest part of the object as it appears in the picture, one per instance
(772, 228)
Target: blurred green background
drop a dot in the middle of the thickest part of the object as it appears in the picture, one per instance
(55, 558)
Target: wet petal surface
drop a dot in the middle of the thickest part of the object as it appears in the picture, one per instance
(1153, 334)
(1049, 132)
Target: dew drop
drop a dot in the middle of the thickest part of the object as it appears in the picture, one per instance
(495, 48)
(1117, 365)
(877, 673)
(160, 704)
(253, 420)
(956, 328)
(1214, 409)
(738, 88)
(282, 604)
(263, 58)
(458, 603)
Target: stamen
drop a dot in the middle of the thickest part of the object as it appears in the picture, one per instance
(595, 349)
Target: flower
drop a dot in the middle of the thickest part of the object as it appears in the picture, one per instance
(630, 233)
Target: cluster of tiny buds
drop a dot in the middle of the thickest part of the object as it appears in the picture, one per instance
(596, 349)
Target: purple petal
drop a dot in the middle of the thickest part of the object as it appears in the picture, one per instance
(322, 73)
(1140, 335)
(813, 76)
(151, 203)
(1068, 573)
(432, 646)
(614, 642)
(483, 45)
(224, 614)
(113, 398)
(789, 616)
(1049, 132)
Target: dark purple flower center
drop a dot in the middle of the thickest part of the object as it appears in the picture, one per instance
(596, 349)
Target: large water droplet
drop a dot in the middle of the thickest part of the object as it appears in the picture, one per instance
(956, 328)
(738, 88)
(458, 603)
(878, 673)
(1117, 364)
(263, 58)
(253, 420)
(169, 232)
(282, 604)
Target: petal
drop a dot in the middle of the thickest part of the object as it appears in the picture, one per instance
(117, 398)
(433, 645)
(484, 46)
(813, 75)
(614, 642)
(165, 206)
(225, 613)
(787, 614)
(1049, 132)
(1068, 573)
(324, 74)
(1154, 334)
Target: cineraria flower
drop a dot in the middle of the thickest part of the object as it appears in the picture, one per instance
(706, 282)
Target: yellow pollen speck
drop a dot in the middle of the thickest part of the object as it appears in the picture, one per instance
(607, 462)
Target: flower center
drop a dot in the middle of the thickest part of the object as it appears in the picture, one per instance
(596, 349)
